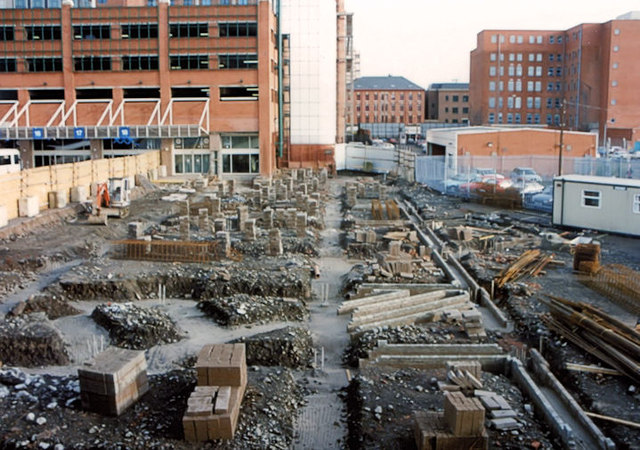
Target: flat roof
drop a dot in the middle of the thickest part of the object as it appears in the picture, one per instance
(388, 83)
(592, 179)
(490, 129)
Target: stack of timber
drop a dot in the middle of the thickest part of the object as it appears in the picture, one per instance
(393, 212)
(399, 308)
(434, 356)
(599, 334)
(214, 406)
(531, 262)
(376, 210)
(465, 374)
(113, 381)
(586, 258)
(460, 426)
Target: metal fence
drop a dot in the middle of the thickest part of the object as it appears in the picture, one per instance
(461, 175)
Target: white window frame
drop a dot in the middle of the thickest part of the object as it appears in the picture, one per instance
(590, 194)
(636, 203)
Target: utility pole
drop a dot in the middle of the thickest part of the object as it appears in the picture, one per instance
(562, 125)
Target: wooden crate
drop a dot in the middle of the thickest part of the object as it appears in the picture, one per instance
(113, 380)
(222, 365)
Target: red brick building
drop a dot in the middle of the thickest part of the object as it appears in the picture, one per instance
(588, 74)
(199, 82)
(388, 100)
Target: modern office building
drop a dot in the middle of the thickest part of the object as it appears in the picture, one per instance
(389, 99)
(448, 102)
(585, 77)
(198, 82)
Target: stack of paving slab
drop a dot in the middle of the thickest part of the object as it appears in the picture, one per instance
(113, 381)
(460, 426)
(214, 406)
(501, 415)
(398, 307)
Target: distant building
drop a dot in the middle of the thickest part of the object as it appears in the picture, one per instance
(448, 102)
(388, 99)
(527, 76)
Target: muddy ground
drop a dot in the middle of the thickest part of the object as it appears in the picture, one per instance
(287, 404)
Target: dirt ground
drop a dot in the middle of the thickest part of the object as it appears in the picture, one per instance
(319, 407)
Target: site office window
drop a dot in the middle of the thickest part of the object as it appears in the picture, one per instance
(241, 154)
(591, 198)
(636, 203)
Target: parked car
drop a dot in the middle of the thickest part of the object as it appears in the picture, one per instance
(542, 201)
(488, 184)
(452, 184)
(484, 172)
(529, 188)
(525, 174)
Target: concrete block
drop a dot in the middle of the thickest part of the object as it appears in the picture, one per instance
(28, 206)
(57, 199)
(78, 194)
(4, 217)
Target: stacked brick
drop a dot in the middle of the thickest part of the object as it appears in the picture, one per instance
(461, 425)
(113, 381)
(214, 406)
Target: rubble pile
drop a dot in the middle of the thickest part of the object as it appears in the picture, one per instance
(92, 283)
(372, 271)
(31, 341)
(287, 347)
(135, 327)
(243, 309)
(53, 306)
(306, 246)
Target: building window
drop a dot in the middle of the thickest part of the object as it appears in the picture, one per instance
(492, 57)
(7, 65)
(91, 32)
(549, 119)
(549, 102)
(492, 102)
(613, 101)
(91, 63)
(615, 65)
(242, 61)
(529, 86)
(559, 40)
(465, 99)
(532, 57)
(539, 57)
(614, 83)
(189, 62)
(465, 110)
(140, 62)
(44, 64)
(538, 71)
(139, 30)
(192, 163)
(636, 203)
(494, 39)
(492, 85)
(509, 118)
(537, 118)
(238, 93)
(492, 118)
(551, 39)
(616, 48)
(531, 71)
(238, 29)
(539, 39)
(532, 39)
(537, 103)
(250, 141)
(538, 86)
(558, 71)
(529, 102)
(616, 31)
(6, 34)
(188, 30)
(44, 32)
(454, 110)
(591, 199)
(518, 102)
(529, 118)
(240, 163)
(549, 87)
(456, 98)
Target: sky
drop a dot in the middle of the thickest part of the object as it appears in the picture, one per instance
(429, 41)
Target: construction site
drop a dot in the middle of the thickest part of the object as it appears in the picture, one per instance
(307, 310)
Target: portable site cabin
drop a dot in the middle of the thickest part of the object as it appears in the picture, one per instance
(598, 203)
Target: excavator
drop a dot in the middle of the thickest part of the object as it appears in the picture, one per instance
(112, 200)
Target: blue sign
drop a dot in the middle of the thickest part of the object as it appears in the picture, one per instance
(79, 133)
(37, 133)
(124, 132)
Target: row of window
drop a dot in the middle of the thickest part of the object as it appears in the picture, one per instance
(531, 118)
(593, 199)
(131, 31)
(532, 71)
(455, 98)
(519, 39)
(389, 119)
(517, 86)
(133, 62)
(532, 57)
(455, 110)
(392, 96)
(386, 107)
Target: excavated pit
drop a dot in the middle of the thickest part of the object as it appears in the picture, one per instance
(31, 341)
(243, 309)
(287, 347)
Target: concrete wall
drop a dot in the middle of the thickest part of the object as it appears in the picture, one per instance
(42, 180)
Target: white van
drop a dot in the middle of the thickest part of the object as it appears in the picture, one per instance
(9, 160)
